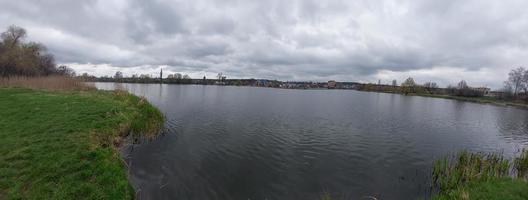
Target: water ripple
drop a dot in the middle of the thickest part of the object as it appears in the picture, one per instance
(255, 143)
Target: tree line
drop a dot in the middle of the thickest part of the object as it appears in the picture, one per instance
(22, 58)
(409, 86)
(515, 87)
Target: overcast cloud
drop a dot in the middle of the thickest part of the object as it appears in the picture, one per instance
(430, 40)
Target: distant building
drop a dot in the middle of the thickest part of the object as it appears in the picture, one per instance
(496, 94)
(332, 84)
(484, 90)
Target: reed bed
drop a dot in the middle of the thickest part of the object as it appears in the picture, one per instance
(451, 172)
(454, 173)
(49, 83)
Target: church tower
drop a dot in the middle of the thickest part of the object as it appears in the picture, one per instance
(161, 75)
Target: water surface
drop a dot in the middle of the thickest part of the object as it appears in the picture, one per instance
(263, 143)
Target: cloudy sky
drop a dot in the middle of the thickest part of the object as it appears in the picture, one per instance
(430, 40)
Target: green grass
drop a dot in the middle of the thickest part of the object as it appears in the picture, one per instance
(481, 176)
(60, 145)
(499, 189)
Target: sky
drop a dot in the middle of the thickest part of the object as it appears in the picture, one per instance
(446, 41)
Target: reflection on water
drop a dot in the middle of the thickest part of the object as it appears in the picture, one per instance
(260, 143)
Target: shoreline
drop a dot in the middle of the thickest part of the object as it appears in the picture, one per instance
(80, 133)
(479, 100)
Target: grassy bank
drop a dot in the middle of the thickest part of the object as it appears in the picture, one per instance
(481, 176)
(61, 145)
(484, 100)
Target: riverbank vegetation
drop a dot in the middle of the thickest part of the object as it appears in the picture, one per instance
(481, 176)
(61, 144)
(514, 92)
(49, 83)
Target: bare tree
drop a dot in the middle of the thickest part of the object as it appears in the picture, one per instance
(525, 82)
(221, 77)
(462, 85)
(178, 76)
(507, 90)
(516, 79)
(430, 85)
(144, 76)
(11, 52)
(47, 63)
(13, 35)
(409, 82)
(23, 58)
(408, 86)
(65, 71)
(118, 75)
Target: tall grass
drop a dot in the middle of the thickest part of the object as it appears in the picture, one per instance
(50, 83)
(454, 172)
(521, 165)
(451, 172)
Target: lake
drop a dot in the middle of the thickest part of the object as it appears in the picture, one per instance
(261, 143)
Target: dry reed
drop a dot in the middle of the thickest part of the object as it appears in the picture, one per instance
(51, 83)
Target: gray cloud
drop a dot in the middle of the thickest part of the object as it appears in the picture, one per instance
(293, 40)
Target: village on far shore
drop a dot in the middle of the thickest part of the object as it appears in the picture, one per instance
(407, 86)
